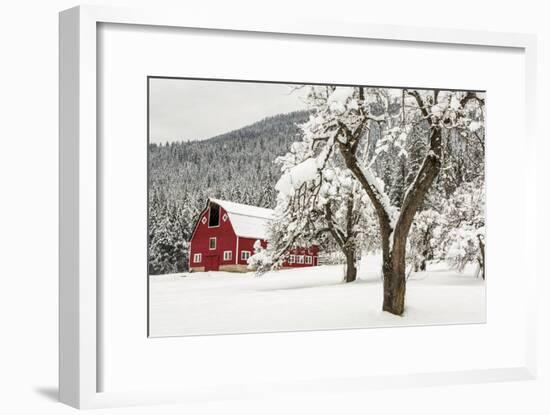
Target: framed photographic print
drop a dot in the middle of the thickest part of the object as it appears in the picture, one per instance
(262, 214)
(231, 191)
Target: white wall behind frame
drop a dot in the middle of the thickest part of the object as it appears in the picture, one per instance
(29, 162)
(128, 54)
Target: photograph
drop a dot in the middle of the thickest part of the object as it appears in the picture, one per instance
(279, 207)
(293, 206)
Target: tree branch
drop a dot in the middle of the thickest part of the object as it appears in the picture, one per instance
(420, 103)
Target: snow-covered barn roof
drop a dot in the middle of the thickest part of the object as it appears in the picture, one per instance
(248, 221)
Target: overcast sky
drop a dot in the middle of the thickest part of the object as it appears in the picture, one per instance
(182, 109)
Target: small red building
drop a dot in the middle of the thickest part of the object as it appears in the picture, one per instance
(224, 236)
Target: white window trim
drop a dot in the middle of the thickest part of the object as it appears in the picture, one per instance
(197, 258)
(309, 260)
(215, 243)
(292, 259)
(227, 255)
(300, 259)
(243, 254)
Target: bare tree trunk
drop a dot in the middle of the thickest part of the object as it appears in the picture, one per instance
(351, 268)
(345, 240)
(426, 252)
(394, 292)
(423, 264)
(482, 258)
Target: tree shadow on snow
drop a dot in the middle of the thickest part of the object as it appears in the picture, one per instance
(321, 285)
(455, 280)
(298, 287)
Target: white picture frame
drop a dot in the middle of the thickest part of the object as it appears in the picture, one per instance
(78, 293)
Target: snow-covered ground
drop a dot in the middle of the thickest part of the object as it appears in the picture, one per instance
(307, 299)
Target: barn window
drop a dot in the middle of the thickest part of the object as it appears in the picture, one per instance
(227, 255)
(300, 259)
(245, 255)
(214, 217)
(197, 258)
(212, 243)
(292, 259)
(308, 260)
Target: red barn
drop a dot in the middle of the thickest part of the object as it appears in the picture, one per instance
(224, 237)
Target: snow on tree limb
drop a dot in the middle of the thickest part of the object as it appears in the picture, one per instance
(410, 128)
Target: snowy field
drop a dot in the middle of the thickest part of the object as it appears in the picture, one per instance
(307, 299)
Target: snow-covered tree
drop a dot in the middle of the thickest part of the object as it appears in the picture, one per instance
(461, 232)
(261, 257)
(167, 244)
(315, 203)
(345, 214)
(340, 127)
(421, 244)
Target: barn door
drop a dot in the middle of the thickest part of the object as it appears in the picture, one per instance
(212, 263)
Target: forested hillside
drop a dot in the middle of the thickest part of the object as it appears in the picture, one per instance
(236, 166)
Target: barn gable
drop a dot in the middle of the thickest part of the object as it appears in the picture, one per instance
(248, 221)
